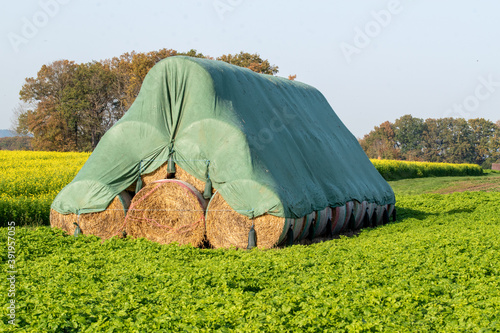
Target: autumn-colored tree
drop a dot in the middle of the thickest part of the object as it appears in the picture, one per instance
(380, 143)
(195, 54)
(44, 117)
(292, 77)
(251, 61)
(131, 69)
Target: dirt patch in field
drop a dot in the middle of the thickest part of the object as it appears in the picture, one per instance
(491, 186)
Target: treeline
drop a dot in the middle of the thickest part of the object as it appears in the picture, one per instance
(447, 140)
(69, 106)
(16, 143)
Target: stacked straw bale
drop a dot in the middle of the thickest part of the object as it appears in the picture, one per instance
(227, 228)
(161, 173)
(174, 210)
(105, 224)
(168, 211)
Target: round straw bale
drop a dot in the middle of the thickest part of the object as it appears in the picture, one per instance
(359, 210)
(322, 222)
(105, 224)
(370, 210)
(390, 209)
(227, 228)
(349, 209)
(158, 174)
(338, 218)
(148, 178)
(161, 173)
(167, 211)
(380, 214)
(182, 174)
(309, 222)
(296, 225)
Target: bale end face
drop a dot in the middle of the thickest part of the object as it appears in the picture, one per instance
(105, 224)
(227, 228)
(168, 211)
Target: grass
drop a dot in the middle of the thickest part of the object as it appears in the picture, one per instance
(489, 182)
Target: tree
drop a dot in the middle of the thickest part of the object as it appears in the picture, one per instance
(91, 104)
(44, 118)
(193, 53)
(250, 61)
(380, 143)
(408, 135)
(132, 68)
(435, 139)
(483, 137)
(19, 120)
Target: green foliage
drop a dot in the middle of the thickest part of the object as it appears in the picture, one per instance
(436, 269)
(393, 170)
(408, 135)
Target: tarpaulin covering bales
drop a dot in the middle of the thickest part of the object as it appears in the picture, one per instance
(268, 144)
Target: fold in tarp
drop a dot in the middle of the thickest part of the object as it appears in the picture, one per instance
(269, 145)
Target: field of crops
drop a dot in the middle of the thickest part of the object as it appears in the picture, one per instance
(393, 170)
(29, 182)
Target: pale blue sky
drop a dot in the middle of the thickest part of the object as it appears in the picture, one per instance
(373, 60)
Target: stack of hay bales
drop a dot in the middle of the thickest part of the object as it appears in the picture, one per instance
(174, 211)
(283, 166)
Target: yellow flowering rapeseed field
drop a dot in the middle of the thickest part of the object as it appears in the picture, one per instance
(29, 182)
(394, 170)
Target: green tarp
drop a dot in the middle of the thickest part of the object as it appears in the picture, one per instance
(269, 145)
